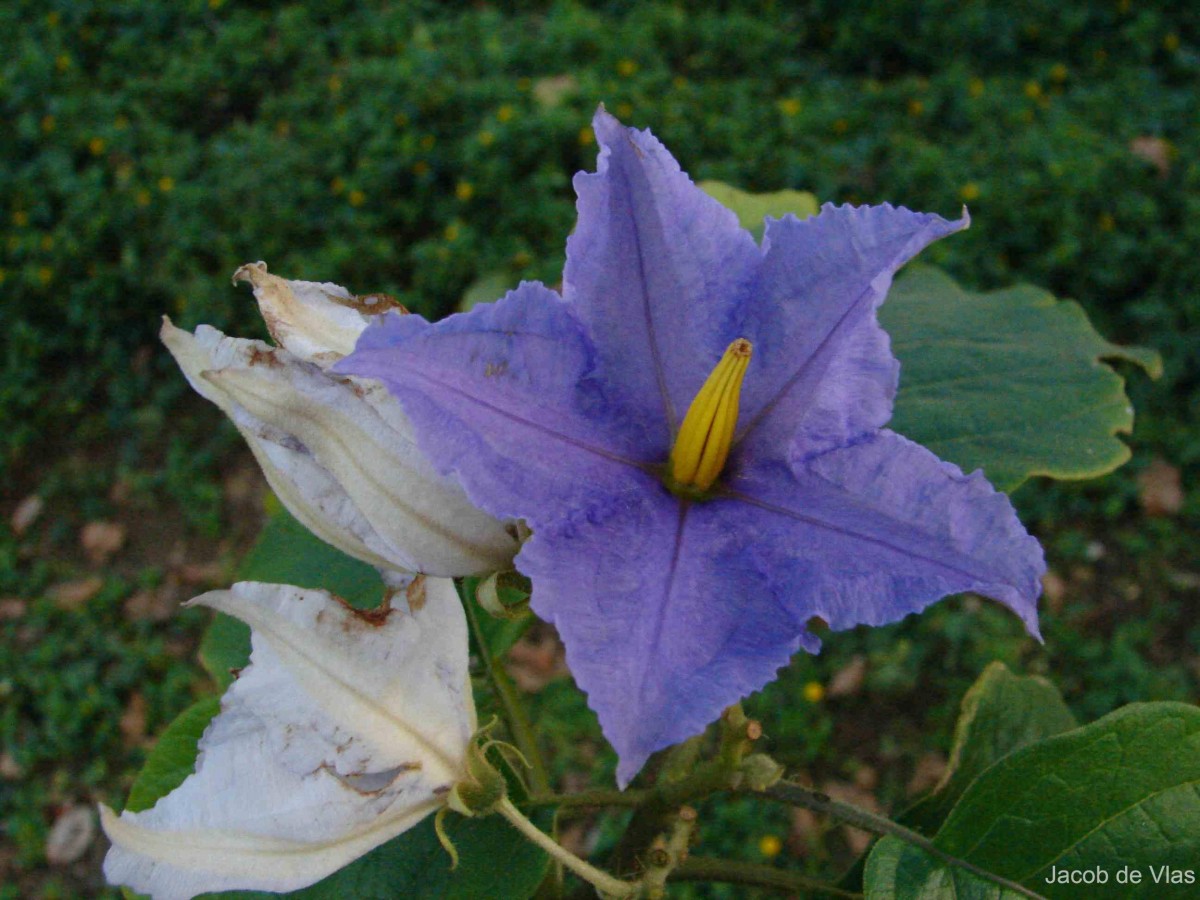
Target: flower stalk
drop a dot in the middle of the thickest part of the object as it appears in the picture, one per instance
(607, 885)
(513, 710)
(798, 795)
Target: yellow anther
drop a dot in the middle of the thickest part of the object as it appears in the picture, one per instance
(706, 435)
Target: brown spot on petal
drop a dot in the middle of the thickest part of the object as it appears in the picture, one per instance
(373, 617)
(264, 357)
(370, 304)
(415, 594)
(371, 783)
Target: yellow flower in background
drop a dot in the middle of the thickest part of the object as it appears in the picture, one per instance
(969, 191)
(166, 184)
(789, 106)
(770, 846)
(814, 692)
(464, 190)
(626, 67)
(357, 198)
(504, 113)
(96, 146)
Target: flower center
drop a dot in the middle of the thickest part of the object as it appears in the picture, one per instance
(704, 439)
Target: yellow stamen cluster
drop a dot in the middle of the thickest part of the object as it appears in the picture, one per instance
(706, 435)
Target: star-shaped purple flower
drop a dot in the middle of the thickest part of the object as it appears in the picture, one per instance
(676, 600)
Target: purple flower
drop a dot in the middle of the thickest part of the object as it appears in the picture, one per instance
(675, 596)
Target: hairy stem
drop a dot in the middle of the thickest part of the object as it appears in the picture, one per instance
(514, 713)
(598, 797)
(728, 871)
(606, 884)
(661, 802)
(798, 795)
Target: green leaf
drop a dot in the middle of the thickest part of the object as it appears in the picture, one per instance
(486, 289)
(173, 756)
(893, 873)
(751, 208)
(494, 861)
(1121, 792)
(1010, 381)
(286, 553)
(1002, 712)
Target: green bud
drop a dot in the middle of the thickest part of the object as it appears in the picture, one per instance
(758, 771)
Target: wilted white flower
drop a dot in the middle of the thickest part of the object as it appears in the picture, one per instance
(347, 728)
(337, 450)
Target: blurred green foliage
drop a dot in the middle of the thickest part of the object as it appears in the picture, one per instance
(149, 148)
(153, 147)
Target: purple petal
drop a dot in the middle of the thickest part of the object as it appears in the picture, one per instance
(501, 395)
(668, 611)
(823, 374)
(659, 269)
(872, 532)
